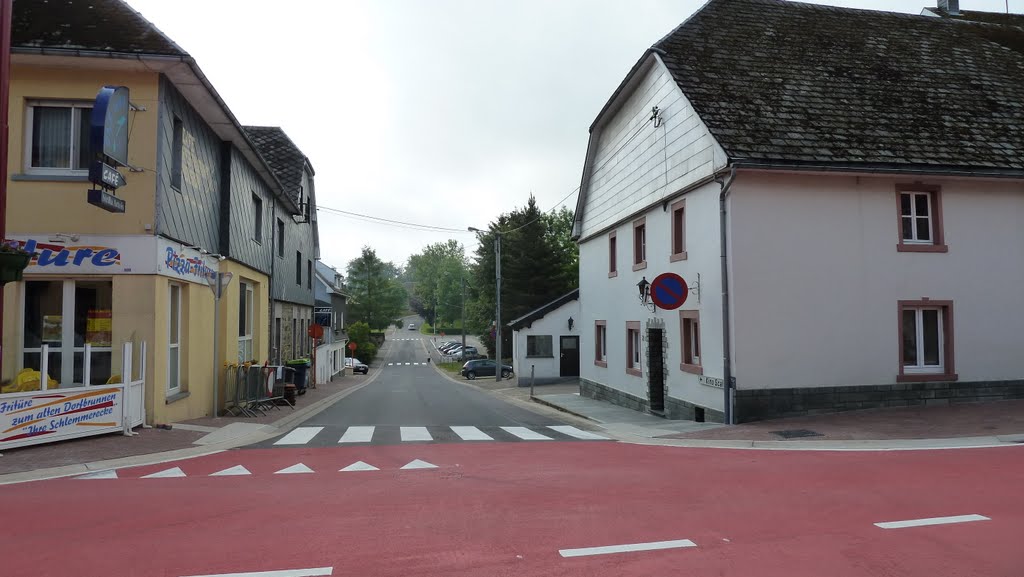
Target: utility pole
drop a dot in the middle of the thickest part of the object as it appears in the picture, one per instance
(463, 313)
(497, 312)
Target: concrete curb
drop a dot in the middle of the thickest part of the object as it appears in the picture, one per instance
(849, 445)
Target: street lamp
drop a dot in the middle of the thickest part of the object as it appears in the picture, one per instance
(497, 300)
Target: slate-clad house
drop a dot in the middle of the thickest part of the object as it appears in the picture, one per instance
(198, 200)
(842, 191)
(331, 302)
(296, 244)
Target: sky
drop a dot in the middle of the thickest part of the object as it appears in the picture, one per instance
(443, 113)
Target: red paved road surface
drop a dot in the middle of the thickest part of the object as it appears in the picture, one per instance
(497, 509)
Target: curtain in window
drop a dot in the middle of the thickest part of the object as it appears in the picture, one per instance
(51, 137)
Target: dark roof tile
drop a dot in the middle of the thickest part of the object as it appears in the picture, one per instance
(284, 158)
(87, 25)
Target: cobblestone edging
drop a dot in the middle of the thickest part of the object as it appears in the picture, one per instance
(760, 404)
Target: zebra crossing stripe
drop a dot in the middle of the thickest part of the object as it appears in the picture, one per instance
(357, 435)
(471, 434)
(299, 436)
(574, 432)
(415, 434)
(526, 434)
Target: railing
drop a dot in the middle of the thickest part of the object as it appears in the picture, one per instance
(330, 360)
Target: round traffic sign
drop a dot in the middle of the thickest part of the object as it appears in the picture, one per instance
(316, 331)
(352, 345)
(669, 291)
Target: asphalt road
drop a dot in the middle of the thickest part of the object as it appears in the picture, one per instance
(409, 401)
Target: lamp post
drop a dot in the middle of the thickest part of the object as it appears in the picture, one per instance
(497, 301)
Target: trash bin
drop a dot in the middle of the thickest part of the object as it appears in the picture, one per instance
(301, 367)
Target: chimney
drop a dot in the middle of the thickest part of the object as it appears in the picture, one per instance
(951, 7)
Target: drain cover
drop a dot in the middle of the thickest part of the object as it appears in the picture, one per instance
(797, 433)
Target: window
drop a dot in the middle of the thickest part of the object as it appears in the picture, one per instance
(633, 349)
(612, 261)
(257, 218)
(177, 144)
(640, 244)
(58, 141)
(920, 212)
(280, 238)
(601, 343)
(678, 231)
(926, 341)
(245, 321)
(309, 274)
(689, 325)
(174, 341)
(538, 346)
(277, 340)
(295, 338)
(298, 268)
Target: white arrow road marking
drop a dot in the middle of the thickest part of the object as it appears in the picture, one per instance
(931, 521)
(418, 464)
(574, 432)
(299, 436)
(359, 466)
(627, 548)
(99, 475)
(167, 473)
(297, 468)
(236, 470)
(317, 572)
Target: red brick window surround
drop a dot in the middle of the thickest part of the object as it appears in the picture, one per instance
(601, 343)
(640, 244)
(919, 208)
(678, 231)
(926, 341)
(612, 256)
(689, 327)
(634, 349)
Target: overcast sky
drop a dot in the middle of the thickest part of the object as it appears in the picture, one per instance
(437, 112)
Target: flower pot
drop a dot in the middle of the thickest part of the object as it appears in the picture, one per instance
(11, 266)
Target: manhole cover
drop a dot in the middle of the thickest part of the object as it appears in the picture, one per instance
(797, 433)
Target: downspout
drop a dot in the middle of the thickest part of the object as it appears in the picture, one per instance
(728, 396)
(273, 259)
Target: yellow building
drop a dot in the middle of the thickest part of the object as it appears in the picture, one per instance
(198, 200)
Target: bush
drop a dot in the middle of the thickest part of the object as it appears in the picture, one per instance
(366, 352)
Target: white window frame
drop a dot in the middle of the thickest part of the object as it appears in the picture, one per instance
(602, 343)
(75, 136)
(693, 326)
(174, 341)
(914, 217)
(920, 368)
(245, 338)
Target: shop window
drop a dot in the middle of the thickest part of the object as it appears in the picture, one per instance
(245, 321)
(58, 137)
(174, 340)
(67, 315)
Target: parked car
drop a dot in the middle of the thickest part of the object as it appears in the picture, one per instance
(446, 349)
(356, 365)
(484, 368)
(468, 352)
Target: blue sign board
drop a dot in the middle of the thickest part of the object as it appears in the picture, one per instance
(108, 125)
(669, 291)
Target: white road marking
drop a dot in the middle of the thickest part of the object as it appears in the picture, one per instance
(627, 548)
(299, 436)
(236, 470)
(297, 468)
(416, 434)
(471, 434)
(931, 521)
(357, 435)
(359, 466)
(166, 474)
(99, 475)
(526, 434)
(316, 572)
(391, 364)
(574, 432)
(418, 464)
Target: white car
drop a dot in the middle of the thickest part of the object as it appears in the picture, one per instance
(412, 327)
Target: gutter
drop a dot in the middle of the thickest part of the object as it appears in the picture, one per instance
(878, 168)
(726, 337)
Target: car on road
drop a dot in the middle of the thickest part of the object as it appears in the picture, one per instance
(412, 327)
(484, 368)
(356, 365)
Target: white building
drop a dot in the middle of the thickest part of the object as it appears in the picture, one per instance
(865, 230)
(547, 341)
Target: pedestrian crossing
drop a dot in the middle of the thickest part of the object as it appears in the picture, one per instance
(405, 339)
(406, 364)
(387, 434)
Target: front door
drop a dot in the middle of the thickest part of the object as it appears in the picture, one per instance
(656, 370)
(569, 353)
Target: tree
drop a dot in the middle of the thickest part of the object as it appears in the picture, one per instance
(359, 333)
(378, 297)
(437, 275)
(539, 263)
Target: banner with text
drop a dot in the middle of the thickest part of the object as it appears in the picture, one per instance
(47, 416)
